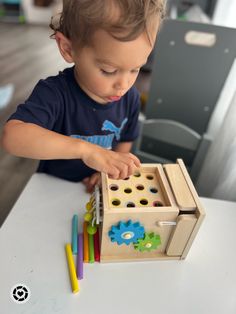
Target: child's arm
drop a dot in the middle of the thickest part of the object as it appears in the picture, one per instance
(32, 141)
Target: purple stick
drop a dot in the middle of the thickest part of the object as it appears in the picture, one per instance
(80, 257)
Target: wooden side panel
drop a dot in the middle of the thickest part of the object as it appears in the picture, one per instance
(200, 213)
(181, 234)
(180, 187)
(149, 220)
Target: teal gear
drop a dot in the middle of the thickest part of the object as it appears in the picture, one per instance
(126, 232)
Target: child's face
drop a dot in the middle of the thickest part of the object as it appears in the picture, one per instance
(108, 68)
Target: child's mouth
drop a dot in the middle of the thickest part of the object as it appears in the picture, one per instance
(114, 98)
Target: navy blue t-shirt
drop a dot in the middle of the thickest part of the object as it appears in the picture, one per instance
(59, 104)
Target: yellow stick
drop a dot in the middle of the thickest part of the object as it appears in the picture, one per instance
(73, 278)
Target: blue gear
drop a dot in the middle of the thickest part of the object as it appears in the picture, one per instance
(126, 232)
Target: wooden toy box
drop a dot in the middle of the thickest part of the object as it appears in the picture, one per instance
(154, 214)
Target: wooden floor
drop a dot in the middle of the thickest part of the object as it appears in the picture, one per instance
(26, 55)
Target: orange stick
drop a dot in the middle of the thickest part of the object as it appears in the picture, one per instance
(86, 245)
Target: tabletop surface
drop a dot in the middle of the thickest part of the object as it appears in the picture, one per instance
(32, 241)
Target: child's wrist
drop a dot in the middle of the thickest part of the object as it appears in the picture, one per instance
(83, 149)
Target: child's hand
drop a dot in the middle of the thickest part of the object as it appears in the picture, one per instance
(90, 182)
(116, 164)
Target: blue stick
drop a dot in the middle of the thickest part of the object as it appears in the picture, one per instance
(75, 234)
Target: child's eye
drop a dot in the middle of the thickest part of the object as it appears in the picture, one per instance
(108, 73)
(135, 71)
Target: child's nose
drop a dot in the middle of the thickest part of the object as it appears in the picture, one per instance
(122, 83)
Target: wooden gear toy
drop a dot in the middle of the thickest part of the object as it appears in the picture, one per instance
(153, 214)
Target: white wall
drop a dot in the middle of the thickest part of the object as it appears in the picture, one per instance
(40, 15)
(225, 13)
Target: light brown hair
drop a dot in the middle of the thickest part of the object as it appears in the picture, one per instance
(125, 20)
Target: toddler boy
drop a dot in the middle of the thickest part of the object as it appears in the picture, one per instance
(84, 120)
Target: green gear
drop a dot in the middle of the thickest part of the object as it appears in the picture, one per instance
(150, 242)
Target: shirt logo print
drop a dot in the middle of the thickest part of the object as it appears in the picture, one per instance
(105, 140)
(109, 126)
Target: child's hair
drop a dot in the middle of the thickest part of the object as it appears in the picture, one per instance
(125, 20)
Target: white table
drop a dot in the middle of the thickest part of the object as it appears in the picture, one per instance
(32, 243)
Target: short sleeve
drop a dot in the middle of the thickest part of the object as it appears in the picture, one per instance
(42, 107)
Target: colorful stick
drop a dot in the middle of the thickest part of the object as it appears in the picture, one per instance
(74, 234)
(86, 246)
(91, 248)
(80, 257)
(71, 266)
(96, 246)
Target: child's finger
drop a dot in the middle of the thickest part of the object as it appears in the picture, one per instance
(85, 180)
(131, 169)
(136, 160)
(113, 173)
(124, 171)
(94, 179)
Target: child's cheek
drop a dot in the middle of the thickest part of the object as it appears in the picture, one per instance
(102, 84)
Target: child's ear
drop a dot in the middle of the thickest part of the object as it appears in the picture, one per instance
(65, 47)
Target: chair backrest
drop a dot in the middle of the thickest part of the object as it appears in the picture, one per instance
(163, 141)
(191, 64)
